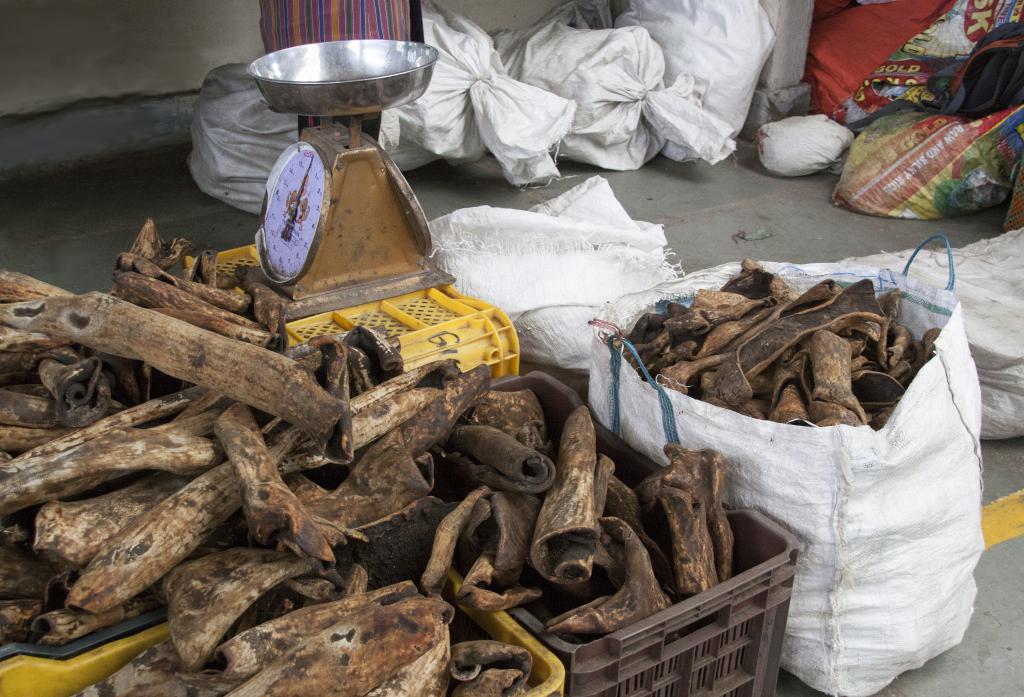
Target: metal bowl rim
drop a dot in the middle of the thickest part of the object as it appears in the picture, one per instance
(433, 52)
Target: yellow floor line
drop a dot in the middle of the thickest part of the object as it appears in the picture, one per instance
(1003, 519)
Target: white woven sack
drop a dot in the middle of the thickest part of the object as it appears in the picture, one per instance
(800, 145)
(625, 112)
(723, 44)
(236, 138)
(889, 520)
(472, 106)
(545, 265)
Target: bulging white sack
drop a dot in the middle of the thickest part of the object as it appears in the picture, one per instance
(236, 138)
(625, 114)
(473, 106)
(890, 520)
(990, 283)
(723, 44)
(578, 250)
(801, 145)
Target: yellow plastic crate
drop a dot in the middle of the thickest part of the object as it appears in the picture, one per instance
(430, 325)
(230, 260)
(32, 676)
(548, 675)
(35, 676)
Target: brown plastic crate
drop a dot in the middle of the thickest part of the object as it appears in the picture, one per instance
(725, 642)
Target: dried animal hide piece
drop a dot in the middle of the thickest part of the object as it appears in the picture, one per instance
(269, 505)
(76, 531)
(681, 375)
(16, 287)
(790, 406)
(385, 357)
(517, 414)
(900, 341)
(28, 481)
(754, 282)
(722, 306)
(831, 414)
(702, 472)
(22, 575)
(149, 245)
(490, 669)
(218, 325)
(448, 532)
(875, 388)
(806, 315)
(153, 673)
(133, 379)
(18, 439)
(159, 539)
(14, 363)
(58, 627)
(880, 418)
(648, 326)
(891, 304)
(267, 308)
(621, 502)
(830, 364)
(477, 590)
(81, 390)
(225, 300)
(355, 655)
(152, 293)
(502, 462)
(515, 517)
(567, 529)
(688, 325)
(654, 349)
(639, 596)
(248, 652)
(427, 676)
(388, 477)
(154, 409)
(27, 411)
(206, 596)
(16, 618)
(724, 334)
(204, 269)
(185, 352)
(16, 341)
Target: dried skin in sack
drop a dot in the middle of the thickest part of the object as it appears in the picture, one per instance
(502, 462)
(567, 525)
(205, 596)
(245, 654)
(830, 365)
(488, 668)
(355, 655)
(639, 596)
(269, 505)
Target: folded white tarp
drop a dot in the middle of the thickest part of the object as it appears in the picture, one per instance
(625, 112)
(472, 106)
(551, 267)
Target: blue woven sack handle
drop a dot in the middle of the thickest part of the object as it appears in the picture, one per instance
(668, 421)
(949, 253)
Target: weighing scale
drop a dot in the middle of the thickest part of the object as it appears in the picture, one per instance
(340, 225)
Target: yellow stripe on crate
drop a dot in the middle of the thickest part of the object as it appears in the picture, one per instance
(1003, 519)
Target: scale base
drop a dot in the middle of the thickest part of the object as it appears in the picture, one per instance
(359, 293)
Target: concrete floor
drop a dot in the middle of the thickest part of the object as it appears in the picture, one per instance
(67, 230)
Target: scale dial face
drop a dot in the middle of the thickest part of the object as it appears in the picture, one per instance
(295, 197)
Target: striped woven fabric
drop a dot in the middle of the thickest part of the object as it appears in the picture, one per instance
(286, 23)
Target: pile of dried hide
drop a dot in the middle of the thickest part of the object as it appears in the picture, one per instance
(154, 452)
(828, 356)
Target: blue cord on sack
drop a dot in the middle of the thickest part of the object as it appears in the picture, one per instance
(668, 422)
(949, 253)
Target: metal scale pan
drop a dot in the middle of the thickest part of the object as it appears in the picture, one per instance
(340, 225)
